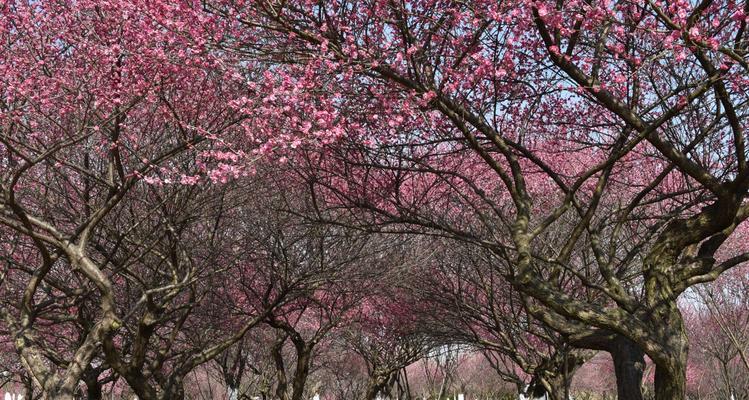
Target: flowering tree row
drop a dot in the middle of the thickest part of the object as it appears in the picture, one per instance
(178, 175)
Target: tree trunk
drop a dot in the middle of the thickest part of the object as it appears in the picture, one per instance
(301, 372)
(671, 381)
(628, 357)
(281, 387)
(629, 366)
(93, 387)
(93, 390)
(406, 384)
(553, 389)
(671, 360)
(374, 387)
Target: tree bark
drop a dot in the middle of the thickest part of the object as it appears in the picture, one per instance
(281, 386)
(301, 372)
(93, 387)
(669, 345)
(629, 367)
(628, 358)
(670, 382)
(671, 376)
(551, 388)
(372, 391)
(375, 386)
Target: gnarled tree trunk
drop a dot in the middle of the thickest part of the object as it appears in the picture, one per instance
(301, 372)
(629, 367)
(670, 366)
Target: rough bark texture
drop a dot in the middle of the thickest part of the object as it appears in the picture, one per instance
(629, 366)
(671, 372)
